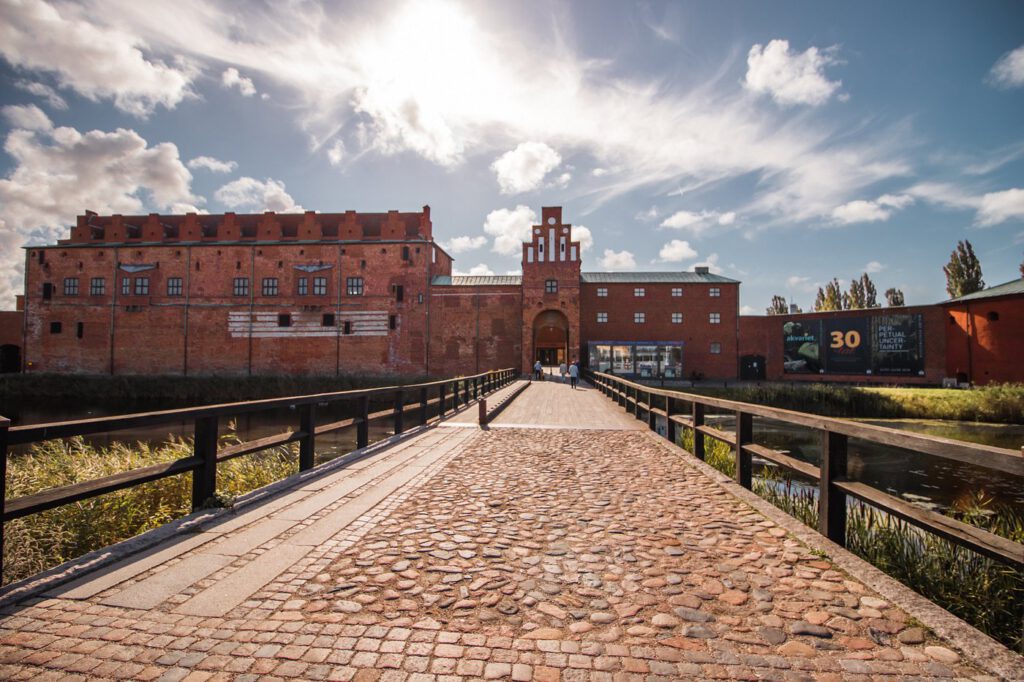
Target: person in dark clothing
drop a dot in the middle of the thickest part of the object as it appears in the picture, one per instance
(574, 374)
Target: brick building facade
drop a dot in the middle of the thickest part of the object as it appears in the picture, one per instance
(985, 335)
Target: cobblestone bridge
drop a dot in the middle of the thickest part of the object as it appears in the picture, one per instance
(564, 542)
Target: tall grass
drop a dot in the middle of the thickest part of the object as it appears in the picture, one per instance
(41, 541)
(986, 593)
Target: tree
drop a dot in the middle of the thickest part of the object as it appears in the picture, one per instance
(870, 293)
(855, 300)
(829, 298)
(894, 297)
(963, 273)
(778, 306)
(1022, 268)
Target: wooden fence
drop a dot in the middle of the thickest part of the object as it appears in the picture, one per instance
(688, 410)
(206, 454)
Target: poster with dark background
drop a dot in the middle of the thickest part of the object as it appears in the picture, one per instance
(897, 345)
(801, 347)
(847, 345)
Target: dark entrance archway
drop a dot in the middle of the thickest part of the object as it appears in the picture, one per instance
(551, 337)
(10, 359)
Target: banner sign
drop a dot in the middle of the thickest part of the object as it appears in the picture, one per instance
(800, 348)
(897, 343)
(847, 344)
(890, 345)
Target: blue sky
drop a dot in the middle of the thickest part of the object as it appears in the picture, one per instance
(782, 144)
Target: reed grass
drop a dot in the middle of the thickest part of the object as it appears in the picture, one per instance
(41, 541)
(986, 593)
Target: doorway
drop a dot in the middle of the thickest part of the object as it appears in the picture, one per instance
(10, 359)
(551, 338)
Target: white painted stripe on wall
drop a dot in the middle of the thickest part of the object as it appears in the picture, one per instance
(551, 245)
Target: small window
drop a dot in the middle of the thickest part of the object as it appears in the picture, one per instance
(992, 316)
(677, 318)
(284, 320)
(639, 318)
(240, 286)
(71, 286)
(716, 348)
(405, 253)
(319, 286)
(47, 290)
(419, 298)
(715, 318)
(639, 292)
(551, 286)
(55, 327)
(270, 286)
(602, 317)
(174, 286)
(362, 264)
(142, 286)
(677, 291)
(399, 293)
(346, 327)
(602, 292)
(392, 321)
(714, 292)
(328, 320)
(97, 286)
(354, 286)
(80, 330)
(303, 286)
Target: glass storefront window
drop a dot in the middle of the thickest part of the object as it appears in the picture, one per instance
(600, 358)
(647, 361)
(622, 359)
(671, 361)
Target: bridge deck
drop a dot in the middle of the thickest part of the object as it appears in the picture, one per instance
(459, 553)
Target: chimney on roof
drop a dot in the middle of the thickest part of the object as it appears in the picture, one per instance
(701, 269)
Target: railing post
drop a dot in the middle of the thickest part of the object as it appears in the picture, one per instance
(698, 437)
(363, 428)
(424, 399)
(482, 412)
(399, 412)
(744, 435)
(832, 500)
(204, 478)
(467, 393)
(652, 418)
(455, 395)
(670, 426)
(5, 425)
(307, 446)
(441, 399)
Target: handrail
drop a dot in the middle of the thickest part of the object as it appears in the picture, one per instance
(833, 486)
(448, 394)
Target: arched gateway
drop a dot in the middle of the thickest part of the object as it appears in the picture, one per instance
(551, 338)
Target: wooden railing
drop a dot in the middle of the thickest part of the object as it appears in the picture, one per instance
(206, 454)
(688, 410)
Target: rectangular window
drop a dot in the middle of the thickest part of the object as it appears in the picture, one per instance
(714, 292)
(714, 318)
(677, 291)
(639, 318)
(716, 348)
(551, 286)
(55, 327)
(602, 317)
(328, 320)
(240, 286)
(392, 321)
(142, 286)
(47, 291)
(80, 330)
(346, 327)
(270, 286)
(284, 320)
(677, 318)
(126, 286)
(639, 292)
(399, 293)
(71, 286)
(405, 253)
(97, 286)
(354, 286)
(174, 286)
(303, 286)
(602, 292)
(319, 286)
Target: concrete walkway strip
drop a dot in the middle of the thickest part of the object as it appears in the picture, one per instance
(249, 539)
(157, 588)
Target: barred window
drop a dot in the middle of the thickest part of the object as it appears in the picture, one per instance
(97, 286)
(714, 318)
(677, 318)
(303, 288)
(319, 286)
(639, 292)
(551, 286)
(639, 318)
(240, 287)
(126, 286)
(142, 286)
(270, 286)
(174, 286)
(716, 348)
(602, 317)
(71, 286)
(602, 292)
(714, 292)
(354, 286)
(677, 291)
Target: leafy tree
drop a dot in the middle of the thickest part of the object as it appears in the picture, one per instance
(778, 306)
(894, 297)
(829, 298)
(963, 273)
(1022, 268)
(870, 293)
(855, 300)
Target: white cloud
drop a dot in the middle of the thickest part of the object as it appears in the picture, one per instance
(789, 77)
(727, 218)
(617, 260)
(800, 283)
(213, 165)
(510, 228)
(463, 244)
(998, 207)
(676, 251)
(747, 310)
(27, 117)
(563, 180)
(480, 270)
(711, 263)
(873, 267)
(44, 91)
(650, 214)
(336, 154)
(583, 235)
(1008, 72)
(523, 169)
(97, 62)
(598, 172)
(231, 78)
(861, 211)
(59, 173)
(698, 223)
(250, 194)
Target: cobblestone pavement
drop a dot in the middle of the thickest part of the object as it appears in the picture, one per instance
(545, 554)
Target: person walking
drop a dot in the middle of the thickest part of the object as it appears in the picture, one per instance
(563, 370)
(574, 373)
(537, 367)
